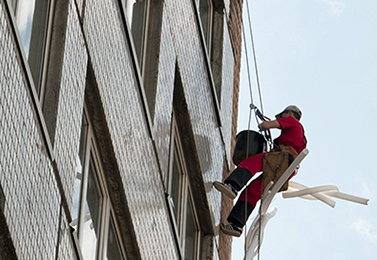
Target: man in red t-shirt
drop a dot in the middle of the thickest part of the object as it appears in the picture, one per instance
(292, 135)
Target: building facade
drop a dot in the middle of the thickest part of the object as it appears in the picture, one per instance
(116, 117)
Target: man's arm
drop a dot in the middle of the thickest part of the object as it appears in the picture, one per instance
(269, 124)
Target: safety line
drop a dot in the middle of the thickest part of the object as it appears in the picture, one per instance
(255, 57)
(250, 111)
(251, 96)
(262, 110)
(247, 153)
(248, 130)
(247, 63)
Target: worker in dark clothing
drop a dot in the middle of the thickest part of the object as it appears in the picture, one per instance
(292, 137)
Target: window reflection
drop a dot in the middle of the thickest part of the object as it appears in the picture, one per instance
(191, 236)
(91, 212)
(24, 19)
(31, 19)
(80, 161)
(176, 187)
(205, 12)
(180, 201)
(113, 249)
(136, 16)
(92, 215)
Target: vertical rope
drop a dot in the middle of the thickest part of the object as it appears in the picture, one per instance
(255, 57)
(247, 153)
(262, 110)
(247, 63)
(248, 129)
(260, 220)
(252, 101)
(250, 111)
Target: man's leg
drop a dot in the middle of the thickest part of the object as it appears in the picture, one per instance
(240, 176)
(246, 169)
(243, 208)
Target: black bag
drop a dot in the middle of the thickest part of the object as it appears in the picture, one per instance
(257, 144)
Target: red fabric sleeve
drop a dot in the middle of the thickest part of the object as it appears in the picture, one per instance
(292, 133)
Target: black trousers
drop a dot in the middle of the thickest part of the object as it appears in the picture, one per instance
(240, 213)
(238, 178)
(241, 210)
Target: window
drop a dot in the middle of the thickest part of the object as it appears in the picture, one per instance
(113, 246)
(205, 8)
(137, 13)
(92, 215)
(32, 22)
(181, 203)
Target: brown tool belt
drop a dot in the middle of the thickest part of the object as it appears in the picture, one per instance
(284, 148)
(275, 163)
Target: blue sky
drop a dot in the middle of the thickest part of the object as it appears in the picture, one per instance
(322, 56)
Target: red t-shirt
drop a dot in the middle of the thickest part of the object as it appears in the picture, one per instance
(292, 133)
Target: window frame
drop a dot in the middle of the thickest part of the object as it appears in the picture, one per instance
(198, 232)
(34, 98)
(207, 37)
(140, 63)
(40, 85)
(186, 197)
(107, 213)
(112, 222)
(207, 54)
(135, 63)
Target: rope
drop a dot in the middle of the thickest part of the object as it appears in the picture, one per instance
(249, 123)
(262, 110)
(260, 221)
(255, 57)
(247, 63)
(251, 98)
(248, 129)
(247, 153)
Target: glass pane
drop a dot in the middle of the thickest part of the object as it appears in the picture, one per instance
(31, 19)
(24, 19)
(191, 236)
(205, 17)
(79, 171)
(176, 186)
(76, 201)
(92, 216)
(136, 13)
(113, 248)
(83, 138)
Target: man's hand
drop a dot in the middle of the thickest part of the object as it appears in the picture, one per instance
(269, 124)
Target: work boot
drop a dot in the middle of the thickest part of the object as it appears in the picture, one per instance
(226, 188)
(231, 229)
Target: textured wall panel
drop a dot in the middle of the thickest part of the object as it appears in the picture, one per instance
(164, 96)
(197, 88)
(71, 103)
(32, 198)
(118, 88)
(227, 93)
(66, 250)
(80, 6)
